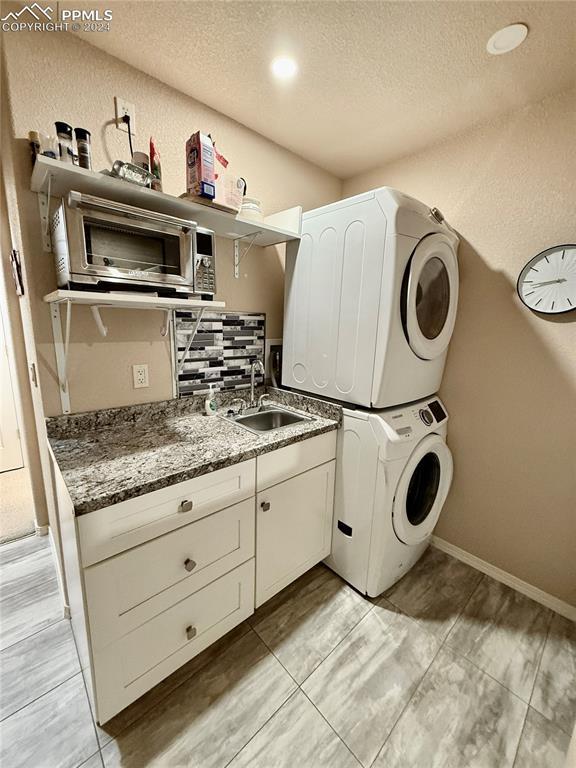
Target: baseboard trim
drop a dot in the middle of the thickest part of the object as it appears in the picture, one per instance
(538, 595)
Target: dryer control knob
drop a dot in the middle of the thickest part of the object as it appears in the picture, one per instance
(426, 417)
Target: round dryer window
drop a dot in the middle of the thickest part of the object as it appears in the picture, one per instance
(422, 490)
(430, 296)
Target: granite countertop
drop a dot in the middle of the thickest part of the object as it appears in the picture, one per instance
(110, 456)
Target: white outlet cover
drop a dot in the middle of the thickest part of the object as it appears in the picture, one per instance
(140, 376)
(123, 107)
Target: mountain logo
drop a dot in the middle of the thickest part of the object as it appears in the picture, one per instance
(39, 13)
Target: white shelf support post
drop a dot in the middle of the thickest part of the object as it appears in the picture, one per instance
(44, 208)
(239, 256)
(61, 345)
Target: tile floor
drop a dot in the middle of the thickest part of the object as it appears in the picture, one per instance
(449, 668)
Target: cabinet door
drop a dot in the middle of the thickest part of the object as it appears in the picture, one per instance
(293, 528)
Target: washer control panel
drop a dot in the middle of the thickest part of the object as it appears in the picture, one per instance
(415, 420)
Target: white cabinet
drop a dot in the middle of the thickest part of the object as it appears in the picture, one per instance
(293, 528)
(156, 579)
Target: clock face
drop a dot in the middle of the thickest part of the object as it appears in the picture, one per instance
(548, 282)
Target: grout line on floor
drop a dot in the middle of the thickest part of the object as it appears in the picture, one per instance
(37, 632)
(291, 696)
(405, 707)
(36, 698)
(355, 756)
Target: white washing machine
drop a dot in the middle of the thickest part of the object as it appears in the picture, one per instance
(370, 301)
(393, 474)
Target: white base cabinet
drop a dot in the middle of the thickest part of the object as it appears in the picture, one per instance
(156, 579)
(294, 528)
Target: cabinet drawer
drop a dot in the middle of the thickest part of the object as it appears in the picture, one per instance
(126, 669)
(279, 465)
(132, 587)
(111, 530)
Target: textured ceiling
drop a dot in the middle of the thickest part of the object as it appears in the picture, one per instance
(377, 79)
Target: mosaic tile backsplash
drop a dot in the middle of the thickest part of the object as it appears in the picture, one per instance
(225, 345)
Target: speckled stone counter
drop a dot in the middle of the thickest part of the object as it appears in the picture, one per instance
(109, 456)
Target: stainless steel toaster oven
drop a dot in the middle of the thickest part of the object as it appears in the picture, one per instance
(102, 243)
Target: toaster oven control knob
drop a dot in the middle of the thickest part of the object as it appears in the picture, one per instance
(426, 416)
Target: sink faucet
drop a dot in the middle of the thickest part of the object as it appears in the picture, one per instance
(256, 364)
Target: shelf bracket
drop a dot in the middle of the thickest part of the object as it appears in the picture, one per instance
(190, 340)
(239, 256)
(61, 346)
(44, 207)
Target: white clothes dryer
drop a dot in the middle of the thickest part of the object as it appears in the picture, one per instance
(393, 473)
(370, 301)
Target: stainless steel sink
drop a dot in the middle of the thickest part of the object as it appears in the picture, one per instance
(268, 418)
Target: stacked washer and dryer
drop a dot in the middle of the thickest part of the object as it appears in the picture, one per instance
(370, 306)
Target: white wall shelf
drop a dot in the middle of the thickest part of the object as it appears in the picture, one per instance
(96, 301)
(55, 178)
(129, 300)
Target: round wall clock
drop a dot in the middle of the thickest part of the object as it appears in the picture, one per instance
(548, 282)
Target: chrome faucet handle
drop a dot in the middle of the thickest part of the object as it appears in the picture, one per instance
(242, 404)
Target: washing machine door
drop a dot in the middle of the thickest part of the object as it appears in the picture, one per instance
(422, 490)
(430, 296)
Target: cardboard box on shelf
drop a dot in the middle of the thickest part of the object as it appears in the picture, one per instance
(200, 166)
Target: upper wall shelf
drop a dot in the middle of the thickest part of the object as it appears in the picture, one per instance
(128, 300)
(60, 178)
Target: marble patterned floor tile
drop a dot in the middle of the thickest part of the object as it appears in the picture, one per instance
(306, 621)
(16, 550)
(554, 694)
(503, 633)
(155, 695)
(542, 744)
(29, 597)
(55, 731)
(435, 591)
(364, 685)
(207, 720)
(34, 666)
(459, 717)
(297, 735)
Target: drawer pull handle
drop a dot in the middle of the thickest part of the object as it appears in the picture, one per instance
(190, 632)
(185, 506)
(265, 506)
(189, 564)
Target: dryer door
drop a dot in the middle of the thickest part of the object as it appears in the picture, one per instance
(430, 296)
(422, 490)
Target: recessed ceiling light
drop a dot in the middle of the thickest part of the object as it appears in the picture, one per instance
(507, 39)
(284, 68)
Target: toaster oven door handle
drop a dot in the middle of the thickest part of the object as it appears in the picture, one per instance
(78, 200)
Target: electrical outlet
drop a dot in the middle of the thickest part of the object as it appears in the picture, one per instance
(122, 108)
(140, 376)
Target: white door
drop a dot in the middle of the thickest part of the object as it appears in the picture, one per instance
(10, 447)
(332, 300)
(293, 528)
(422, 490)
(430, 296)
